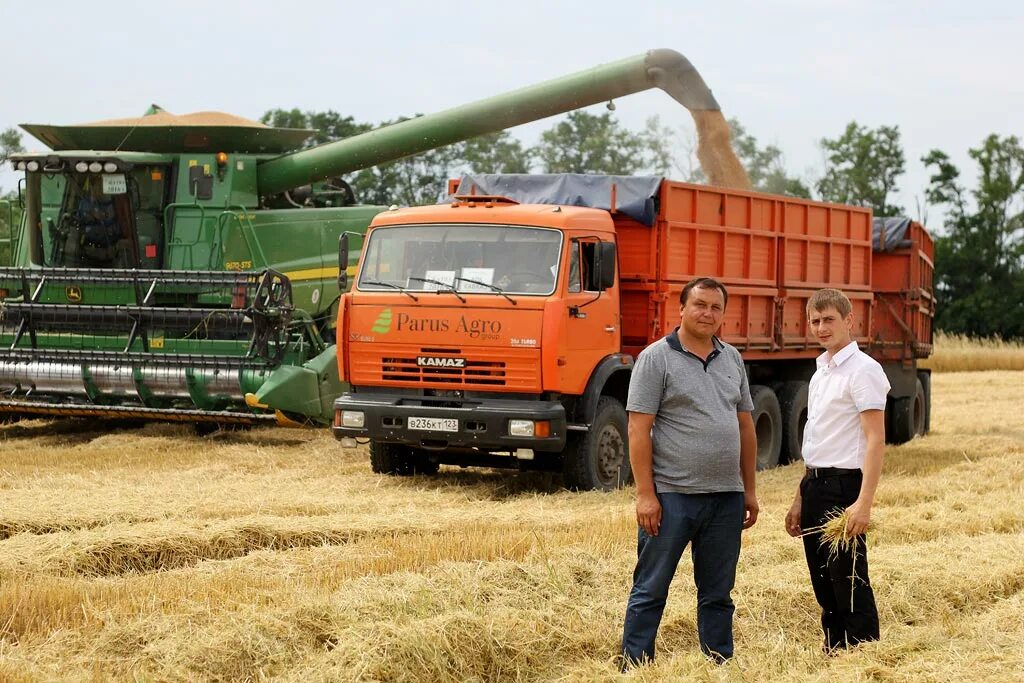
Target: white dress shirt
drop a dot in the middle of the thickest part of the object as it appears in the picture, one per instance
(840, 390)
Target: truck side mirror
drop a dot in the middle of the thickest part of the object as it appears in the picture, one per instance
(605, 265)
(343, 262)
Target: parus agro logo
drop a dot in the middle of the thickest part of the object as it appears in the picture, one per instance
(383, 323)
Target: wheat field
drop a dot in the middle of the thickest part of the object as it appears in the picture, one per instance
(151, 554)
(960, 353)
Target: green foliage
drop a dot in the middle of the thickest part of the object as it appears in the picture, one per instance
(979, 262)
(10, 221)
(861, 167)
(10, 143)
(496, 153)
(589, 143)
(330, 125)
(416, 179)
(10, 210)
(765, 166)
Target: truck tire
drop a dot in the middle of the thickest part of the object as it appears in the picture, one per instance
(767, 417)
(398, 460)
(925, 378)
(599, 458)
(793, 402)
(909, 414)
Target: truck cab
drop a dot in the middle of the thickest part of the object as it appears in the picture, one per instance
(489, 332)
(486, 332)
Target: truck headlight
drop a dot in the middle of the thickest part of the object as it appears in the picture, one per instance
(520, 427)
(540, 429)
(353, 418)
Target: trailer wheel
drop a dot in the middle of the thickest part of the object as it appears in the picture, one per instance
(767, 417)
(599, 458)
(399, 460)
(793, 402)
(909, 415)
(925, 378)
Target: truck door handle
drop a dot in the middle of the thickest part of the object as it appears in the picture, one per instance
(609, 328)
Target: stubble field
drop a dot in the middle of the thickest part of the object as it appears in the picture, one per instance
(152, 554)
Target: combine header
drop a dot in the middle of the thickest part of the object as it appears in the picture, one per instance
(192, 272)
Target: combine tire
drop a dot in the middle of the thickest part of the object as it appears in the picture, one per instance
(767, 417)
(599, 459)
(909, 416)
(793, 402)
(398, 460)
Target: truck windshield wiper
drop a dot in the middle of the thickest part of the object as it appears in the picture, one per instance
(389, 284)
(497, 289)
(443, 284)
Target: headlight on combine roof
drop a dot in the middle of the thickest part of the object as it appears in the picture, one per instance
(353, 418)
(82, 166)
(95, 167)
(20, 165)
(110, 167)
(32, 166)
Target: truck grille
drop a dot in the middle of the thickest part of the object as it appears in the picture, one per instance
(515, 369)
(399, 369)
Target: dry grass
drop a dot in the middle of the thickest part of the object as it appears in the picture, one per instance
(959, 353)
(155, 555)
(834, 533)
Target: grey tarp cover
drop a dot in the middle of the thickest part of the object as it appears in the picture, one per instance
(634, 195)
(895, 231)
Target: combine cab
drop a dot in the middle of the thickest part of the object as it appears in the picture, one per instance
(193, 272)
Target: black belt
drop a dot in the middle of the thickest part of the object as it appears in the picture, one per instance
(816, 472)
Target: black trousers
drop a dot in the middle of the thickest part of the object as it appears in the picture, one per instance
(841, 583)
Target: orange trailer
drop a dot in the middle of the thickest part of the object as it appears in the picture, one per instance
(486, 331)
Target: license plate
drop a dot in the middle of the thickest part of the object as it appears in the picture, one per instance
(433, 424)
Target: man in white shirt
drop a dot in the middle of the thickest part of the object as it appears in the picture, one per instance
(843, 444)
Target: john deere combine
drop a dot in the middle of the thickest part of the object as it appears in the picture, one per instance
(191, 271)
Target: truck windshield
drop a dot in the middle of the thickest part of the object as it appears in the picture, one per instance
(485, 259)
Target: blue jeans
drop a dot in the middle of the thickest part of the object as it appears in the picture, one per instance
(713, 522)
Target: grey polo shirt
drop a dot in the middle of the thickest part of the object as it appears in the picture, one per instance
(696, 435)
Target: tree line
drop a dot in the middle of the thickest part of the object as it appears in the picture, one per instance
(979, 259)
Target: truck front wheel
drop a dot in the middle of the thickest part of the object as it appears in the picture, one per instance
(399, 460)
(599, 459)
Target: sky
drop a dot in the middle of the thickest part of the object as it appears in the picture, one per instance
(792, 71)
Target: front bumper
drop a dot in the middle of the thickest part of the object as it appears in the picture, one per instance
(482, 423)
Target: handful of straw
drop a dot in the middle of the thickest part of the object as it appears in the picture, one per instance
(834, 534)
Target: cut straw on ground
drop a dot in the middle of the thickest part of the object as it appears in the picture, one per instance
(153, 554)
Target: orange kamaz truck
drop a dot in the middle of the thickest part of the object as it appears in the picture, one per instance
(499, 328)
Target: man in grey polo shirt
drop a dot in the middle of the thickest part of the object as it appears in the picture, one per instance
(693, 450)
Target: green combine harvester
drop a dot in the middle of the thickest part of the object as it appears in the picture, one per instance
(188, 268)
